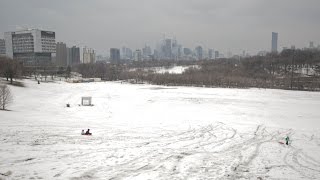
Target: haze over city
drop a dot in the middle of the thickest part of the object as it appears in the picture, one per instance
(220, 24)
(159, 89)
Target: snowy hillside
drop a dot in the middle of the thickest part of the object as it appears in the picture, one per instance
(153, 132)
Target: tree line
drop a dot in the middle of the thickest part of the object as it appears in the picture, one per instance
(282, 71)
(275, 70)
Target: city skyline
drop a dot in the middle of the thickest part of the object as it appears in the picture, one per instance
(224, 25)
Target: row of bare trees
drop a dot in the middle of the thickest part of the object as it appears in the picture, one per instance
(281, 70)
(271, 71)
(10, 68)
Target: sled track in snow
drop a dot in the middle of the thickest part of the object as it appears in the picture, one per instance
(310, 167)
(213, 151)
(173, 148)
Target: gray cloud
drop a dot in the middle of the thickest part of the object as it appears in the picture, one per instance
(221, 24)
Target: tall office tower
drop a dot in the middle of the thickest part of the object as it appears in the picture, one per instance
(179, 52)
(199, 52)
(216, 54)
(126, 53)
(146, 51)
(274, 43)
(32, 47)
(61, 54)
(156, 54)
(176, 50)
(92, 56)
(138, 55)
(129, 53)
(187, 51)
(73, 56)
(115, 55)
(210, 54)
(168, 49)
(123, 53)
(311, 45)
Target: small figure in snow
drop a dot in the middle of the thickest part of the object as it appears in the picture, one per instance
(287, 140)
(82, 132)
(88, 132)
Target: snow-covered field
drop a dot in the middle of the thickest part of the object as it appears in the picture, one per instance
(153, 132)
(170, 70)
(174, 69)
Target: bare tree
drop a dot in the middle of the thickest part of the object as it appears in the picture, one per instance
(5, 96)
(10, 68)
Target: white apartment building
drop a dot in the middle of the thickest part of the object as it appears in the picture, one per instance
(89, 56)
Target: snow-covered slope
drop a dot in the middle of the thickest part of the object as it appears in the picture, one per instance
(152, 132)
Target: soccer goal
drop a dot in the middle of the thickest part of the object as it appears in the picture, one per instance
(86, 101)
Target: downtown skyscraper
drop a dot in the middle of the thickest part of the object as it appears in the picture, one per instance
(274, 42)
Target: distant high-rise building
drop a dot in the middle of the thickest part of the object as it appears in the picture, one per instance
(146, 51)
(216, 54)
(210, 54)
(168, 49)
(123, 53)
(126, 53)
(115, 55)
(2, 47)
(199, 52)
(61, 54)
(89, 56)
(274, 42)
(180, 51)
(187, 51)
(244, 53)
(156, 54)
(138, 55)
(311, 45)
(129, 53)
(176, 50)
(73, 56)
(32, 47)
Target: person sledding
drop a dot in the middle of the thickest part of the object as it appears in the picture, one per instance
(86, 133)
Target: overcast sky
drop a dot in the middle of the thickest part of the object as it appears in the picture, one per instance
(224, 25)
